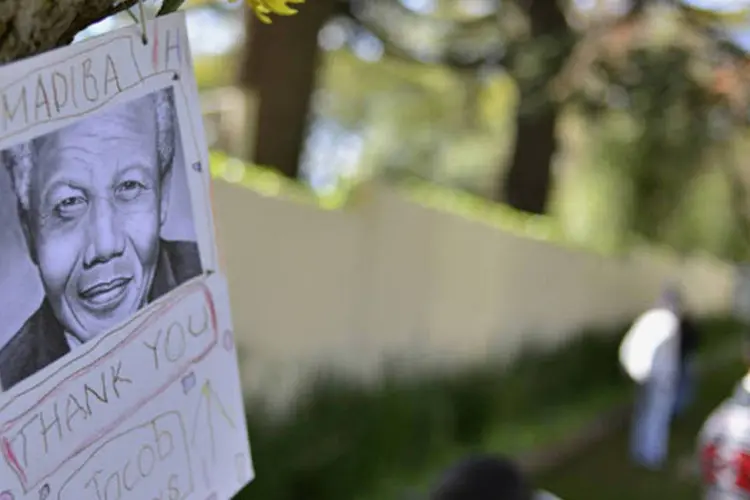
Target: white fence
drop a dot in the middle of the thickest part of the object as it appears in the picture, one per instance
(389, 280)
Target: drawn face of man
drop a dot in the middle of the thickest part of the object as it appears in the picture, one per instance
(96, 209)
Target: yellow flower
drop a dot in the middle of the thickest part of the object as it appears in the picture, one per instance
(264, 8)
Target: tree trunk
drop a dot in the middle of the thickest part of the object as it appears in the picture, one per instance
(281, 62)
(527, 182)
(28, 27)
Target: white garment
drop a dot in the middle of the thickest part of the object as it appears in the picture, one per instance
(650, 349)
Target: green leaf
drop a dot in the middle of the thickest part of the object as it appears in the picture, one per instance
(169, 6)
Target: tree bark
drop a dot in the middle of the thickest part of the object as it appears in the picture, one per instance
(527, 182)
(281, 62)
(28, 27)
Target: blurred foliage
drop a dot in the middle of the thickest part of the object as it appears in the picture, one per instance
(421, 120)
(345, 440)
(654, 121)
(648, 166)
(654, 113)
(435, 30)
(215, 71)
(475, 208)
(268, 182)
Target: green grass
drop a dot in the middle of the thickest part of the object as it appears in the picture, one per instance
(511, 440)
(347, 441)
(605, 471)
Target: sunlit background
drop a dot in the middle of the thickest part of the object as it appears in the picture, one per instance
(428, 89)
(572, 155)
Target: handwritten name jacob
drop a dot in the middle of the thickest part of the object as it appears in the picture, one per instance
(155, 465)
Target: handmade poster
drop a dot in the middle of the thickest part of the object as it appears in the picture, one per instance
(117, 359)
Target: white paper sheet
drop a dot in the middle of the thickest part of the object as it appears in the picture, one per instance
(117, 356)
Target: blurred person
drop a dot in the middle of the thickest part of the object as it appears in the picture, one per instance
(724, 444)
(689, 338)
(485, 477)
(650, 354)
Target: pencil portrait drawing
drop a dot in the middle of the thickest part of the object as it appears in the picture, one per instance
(92, 201)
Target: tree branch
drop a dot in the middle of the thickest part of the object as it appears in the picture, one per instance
(614, 35)
(28, 27)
